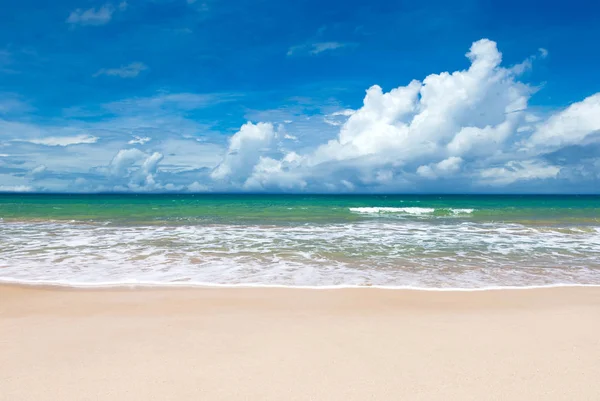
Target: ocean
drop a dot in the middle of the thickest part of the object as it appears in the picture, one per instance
(446, 242)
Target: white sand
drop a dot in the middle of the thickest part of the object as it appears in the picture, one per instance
(285, 344)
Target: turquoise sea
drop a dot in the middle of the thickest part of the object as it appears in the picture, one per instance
(404, 241)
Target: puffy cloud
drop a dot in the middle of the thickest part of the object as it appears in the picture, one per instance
(244, 152)
(197, 187)
(471, 129)
(127, 71)
(473, 123)
(138, 166)
(124, 159)
(571, 126)
(446, 167)
(269, 173)
(446, 114)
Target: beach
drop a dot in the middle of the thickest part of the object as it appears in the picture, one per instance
(298, 344)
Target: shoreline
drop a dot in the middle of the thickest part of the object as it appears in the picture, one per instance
(191, 286)
(273, 344)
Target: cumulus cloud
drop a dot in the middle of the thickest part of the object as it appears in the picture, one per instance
(446, 167)
(92, 16)
(197, 187)
(139, 167)
(473, 123)
(470, 129)
(127, 71)
(244, 151)
(568, 127)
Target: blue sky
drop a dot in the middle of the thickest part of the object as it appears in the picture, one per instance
(184, 95)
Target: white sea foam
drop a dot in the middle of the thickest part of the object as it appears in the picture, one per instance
(381, 253)
(418, 211)
(407, 210)
(462, 211)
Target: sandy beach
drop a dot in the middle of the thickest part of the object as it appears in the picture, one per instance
(292, 344)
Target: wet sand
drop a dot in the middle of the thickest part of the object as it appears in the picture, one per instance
(291, 344)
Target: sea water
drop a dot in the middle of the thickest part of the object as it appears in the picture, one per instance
(399, 241)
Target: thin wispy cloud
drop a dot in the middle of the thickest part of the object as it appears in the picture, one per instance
(94, 16)
(324, 46)
(139, 140)
(61, 140)
(127, 71)
(169, 102)
(315, 48)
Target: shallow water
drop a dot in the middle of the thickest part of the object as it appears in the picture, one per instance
(445, 242)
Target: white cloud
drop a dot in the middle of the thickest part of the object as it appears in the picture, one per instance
(245, 148)
(16, 188)
(139, 140)
(197, 187)
(469, 129)
(338, 118)
(91, 16)
(138, 166)
(284, 174)
(345, 113)
(123, 160)
(568, 127)
(446, 167)
(62, 140)
(518, 171)
(324, 46)
(460, 124)
(127, 71)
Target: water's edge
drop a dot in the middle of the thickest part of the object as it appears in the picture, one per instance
(163, 285)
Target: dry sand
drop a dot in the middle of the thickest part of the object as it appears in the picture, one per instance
(287, 344)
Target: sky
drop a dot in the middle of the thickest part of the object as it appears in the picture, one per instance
(305, 96)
